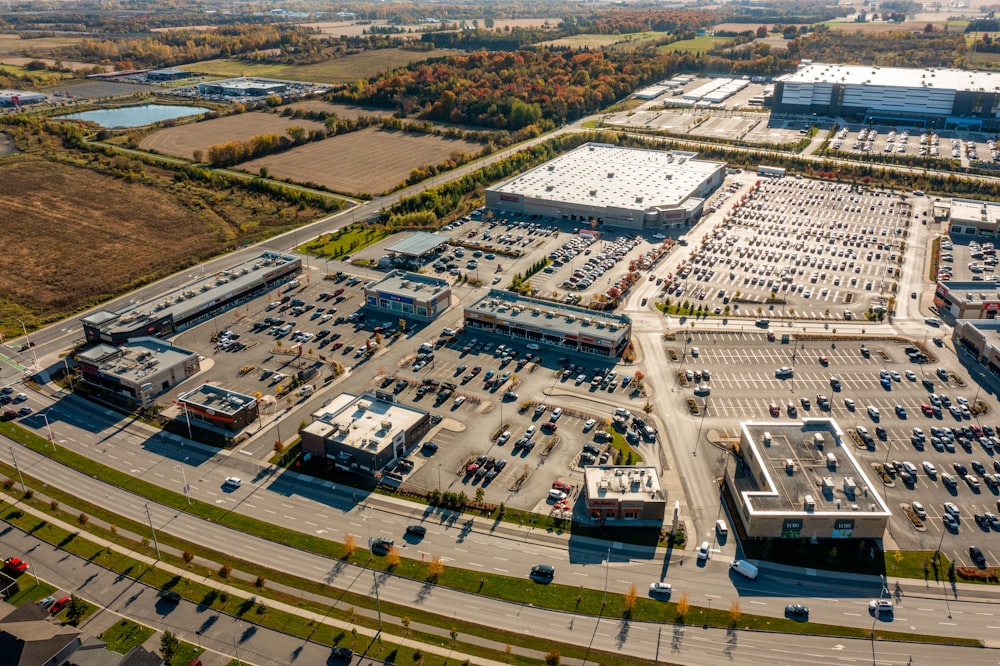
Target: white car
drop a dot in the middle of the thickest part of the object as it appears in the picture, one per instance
(530, 431)
(533, 347)
(849, 404)
(661, 588)
(459, 400)
(912, 376)
(557, 495)
(232, 482)
(951, 509)
(873, 412)
(918, 509)
(703, 551)
(880, 606)
(930, 469)
(590, 423)
(556, 413)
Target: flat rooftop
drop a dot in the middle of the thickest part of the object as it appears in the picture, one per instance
(974, 291)
(601, 175)
(363, 421)
(785, 486)
(137, 358)
(201, 294)
(216, 399)
(546, 315)
(243, 83)
(414, 285)
(639, 484)
(973, 210)
(899, 77)
(417, 244)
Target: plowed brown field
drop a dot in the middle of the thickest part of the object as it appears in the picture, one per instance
(183, 140)
(367, 161)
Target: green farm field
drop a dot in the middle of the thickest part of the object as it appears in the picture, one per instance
(620, 42)
(701, 44)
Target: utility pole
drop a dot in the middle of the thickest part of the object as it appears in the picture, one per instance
(155, 544)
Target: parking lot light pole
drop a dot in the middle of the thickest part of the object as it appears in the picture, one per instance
(187, 492)
(27, 341)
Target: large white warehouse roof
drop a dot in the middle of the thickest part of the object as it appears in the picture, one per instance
(930, 77)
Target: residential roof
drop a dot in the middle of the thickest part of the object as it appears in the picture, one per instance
(897, 77)
(795, 463)
(27, 638)
(417, 244)
(602, 175)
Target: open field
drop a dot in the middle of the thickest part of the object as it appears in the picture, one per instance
(93, 89)
(73, 237)
(183, 140)
(342, 111)
(13, 45)
(371, 160)
(340, 70)
(38, 78)
(595, 41)
(697, 44)
(21, 61)
(80, 235)
(353, 29)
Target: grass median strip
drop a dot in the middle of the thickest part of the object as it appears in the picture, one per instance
(512, 589)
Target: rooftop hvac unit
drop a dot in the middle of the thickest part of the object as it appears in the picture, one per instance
(363, 406)
(789, 465)
(810, 503)
(386, 425)
(827, 484)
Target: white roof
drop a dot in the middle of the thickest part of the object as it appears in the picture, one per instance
(597, 174)
(897, 77)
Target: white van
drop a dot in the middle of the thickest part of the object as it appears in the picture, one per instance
(745, 568)
(306, 390)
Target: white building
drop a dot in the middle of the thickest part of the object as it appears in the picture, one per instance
(619, 187)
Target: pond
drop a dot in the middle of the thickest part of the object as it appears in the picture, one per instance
(136, 116)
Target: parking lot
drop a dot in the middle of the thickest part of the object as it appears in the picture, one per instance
(751, 377)
(581, 267)
(968, 148)
(302, 329)
(797, 247)
(499, 427)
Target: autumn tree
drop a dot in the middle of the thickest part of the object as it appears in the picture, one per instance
(350, 545)
(683, 606)
(392, 557)
(435, 568)
(735, 612)
(631, 598)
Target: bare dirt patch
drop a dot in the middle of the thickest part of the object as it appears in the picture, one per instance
(183, 140)
(368, 161)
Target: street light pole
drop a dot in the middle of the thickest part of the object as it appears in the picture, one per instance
(27, 341)
(49, 429)
(607, 567)
(378, 602)
(156, 545)
(187, 492)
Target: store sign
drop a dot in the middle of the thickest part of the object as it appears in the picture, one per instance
(791, 528)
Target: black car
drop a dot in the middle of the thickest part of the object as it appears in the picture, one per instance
(343, 653)
(543, 571)
(797, 610)
(416, 530)
(170, 596)
(977, 556)
(381, 545)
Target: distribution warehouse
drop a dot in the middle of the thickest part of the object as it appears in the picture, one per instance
(932, 97)
(619, 187)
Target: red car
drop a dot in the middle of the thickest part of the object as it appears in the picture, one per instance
(563, 486)
(775, 410)
(770, 336)
(824, 360)
(927, 410)
(15, 565)
(336, 346)
(57, 607)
